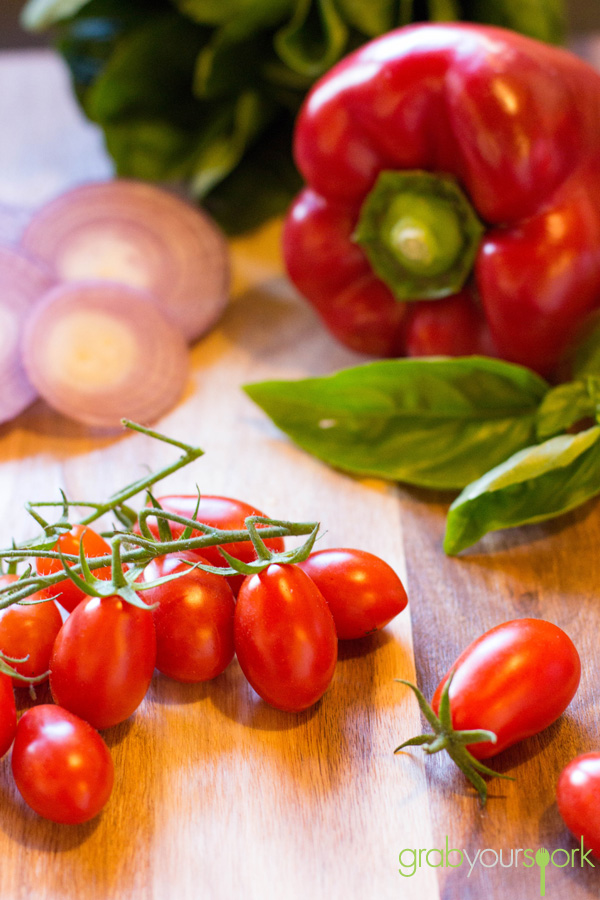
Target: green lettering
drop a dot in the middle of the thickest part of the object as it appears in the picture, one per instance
(528, 854)
(420, 854)
(560, 865)
(408, 865)
(584, 856)
(436, 865)
(448, 852)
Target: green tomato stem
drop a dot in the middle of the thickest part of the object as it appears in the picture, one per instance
(453, 742)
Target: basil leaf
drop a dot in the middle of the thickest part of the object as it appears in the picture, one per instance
(88, 40)
(586, 358)
(567, 404)
(541, 19)
(143, 99)
(314, 39)
(443, 10)
(144, 80)
(39, 14)
(537, 483)
(230, 63)
(430, 422)
(254, 13)
(152, 149)
(406, 13)
(372, 18)
(260, 189)
(221, 147)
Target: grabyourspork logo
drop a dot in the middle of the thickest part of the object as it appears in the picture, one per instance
(451, 857)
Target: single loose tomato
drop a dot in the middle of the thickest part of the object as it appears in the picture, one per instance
(515, 680)
(61, 765)
(285, 637)
(103, 660)
(193, 620)
(8, 713)
(578, 797)
(29, 630)
(219, 512)
(66, 592)
(361, 590)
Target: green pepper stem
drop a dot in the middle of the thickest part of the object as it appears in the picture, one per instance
(420, 234)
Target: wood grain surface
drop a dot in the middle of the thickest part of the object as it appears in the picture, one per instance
(217, 795)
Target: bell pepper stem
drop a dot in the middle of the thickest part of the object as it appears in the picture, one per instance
(420, 234)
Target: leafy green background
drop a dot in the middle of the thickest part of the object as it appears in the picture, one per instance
(206, 91)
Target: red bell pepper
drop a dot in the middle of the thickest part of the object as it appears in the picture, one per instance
(453, 196)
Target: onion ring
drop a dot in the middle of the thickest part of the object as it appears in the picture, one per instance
(23, 281)
(142, 236)
(99, 352)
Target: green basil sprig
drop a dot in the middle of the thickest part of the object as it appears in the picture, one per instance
(537, 483)
(495, 429)
(566, 405)
(437, 423)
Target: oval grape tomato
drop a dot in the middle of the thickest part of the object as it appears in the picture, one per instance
(578, 798)
(66, 592)
(29, 631)
(61, 765)
(8, 713)
(285, 637)
(361, 590)
(103, 660)
(514, 680)
(193, 620)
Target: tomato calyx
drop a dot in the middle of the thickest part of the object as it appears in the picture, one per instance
(265, 556)
(213, 536)
(126, 584)
(445, 737)
(121, 583)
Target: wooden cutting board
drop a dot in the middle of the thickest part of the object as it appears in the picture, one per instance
(217, 795)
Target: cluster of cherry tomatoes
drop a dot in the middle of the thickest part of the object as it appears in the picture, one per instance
(283, 623)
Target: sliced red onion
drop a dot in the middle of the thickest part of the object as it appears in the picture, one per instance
(13, 220)
(102, 352)
(142, 236)
(22, 283)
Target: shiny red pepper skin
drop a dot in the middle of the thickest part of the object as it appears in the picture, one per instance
(516, 122)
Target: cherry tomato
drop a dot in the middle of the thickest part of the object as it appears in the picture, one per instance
(285, 637)
(220, 512)
(93, 544)
(515, 680)
(8, 713)
(103, 660)
(361, 590)
(578, 797)
(194, 620)
(61, 766)
(29, 631)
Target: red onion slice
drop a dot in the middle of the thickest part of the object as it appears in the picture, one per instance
(142, 236)
(13, 220)
(22, 283)
(102, 352)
